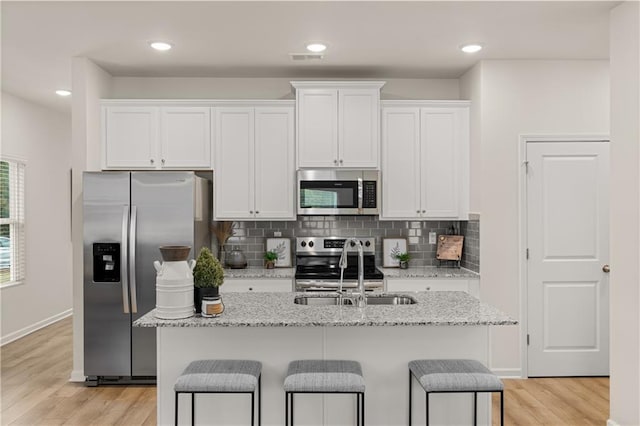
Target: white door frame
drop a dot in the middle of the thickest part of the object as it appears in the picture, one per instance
(522, 225)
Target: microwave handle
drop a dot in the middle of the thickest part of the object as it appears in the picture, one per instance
(360, 192)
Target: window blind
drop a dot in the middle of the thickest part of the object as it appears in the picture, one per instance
(12, 222)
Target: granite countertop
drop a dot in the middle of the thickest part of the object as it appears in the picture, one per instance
(256, 309)
(259, 272)
(428, 272)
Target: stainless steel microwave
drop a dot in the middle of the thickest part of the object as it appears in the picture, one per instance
(338, 192)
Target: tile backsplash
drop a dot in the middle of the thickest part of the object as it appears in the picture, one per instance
(250, 235)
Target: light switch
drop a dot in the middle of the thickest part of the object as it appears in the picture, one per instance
(432, 237)
(277, 234)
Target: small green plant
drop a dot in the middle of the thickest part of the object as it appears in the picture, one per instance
(271, 256)
(403, 257)
(208, 272)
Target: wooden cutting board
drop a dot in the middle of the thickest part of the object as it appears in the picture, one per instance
(449, 247)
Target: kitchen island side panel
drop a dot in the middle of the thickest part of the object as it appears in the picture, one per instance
(383, 351)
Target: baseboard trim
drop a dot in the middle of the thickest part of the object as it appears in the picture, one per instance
(612, 423)
(508, 373)
(77, 376)
(11, 337)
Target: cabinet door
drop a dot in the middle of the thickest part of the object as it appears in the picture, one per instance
(427, 285)
(400, 162)
(130, 137)
(440, 162)
(185, 139)
(317, 127)
(242, 285)
(274, 163)
(234, 164)
(358, 124)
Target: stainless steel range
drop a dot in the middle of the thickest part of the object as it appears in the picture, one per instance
(317, 268)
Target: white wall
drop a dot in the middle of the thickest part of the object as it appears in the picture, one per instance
(471, 89)
(522, 97)
(265, 88)
(90, 83)
(625, 214)
(42, 137)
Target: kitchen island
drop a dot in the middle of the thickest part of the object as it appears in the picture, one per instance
(271, 328)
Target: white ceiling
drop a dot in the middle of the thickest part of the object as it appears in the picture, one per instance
(253, 39)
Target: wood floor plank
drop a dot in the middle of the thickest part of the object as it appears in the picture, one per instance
(35, 391)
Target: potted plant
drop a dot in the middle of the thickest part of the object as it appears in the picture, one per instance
(208, 275)
(403, 258)
(270, 258)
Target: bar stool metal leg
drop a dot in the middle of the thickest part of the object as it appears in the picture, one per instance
(193, 409)
(260, 400)
(362, 408)
(501, 408)
(409, 397)
(427, 410)
(175, 422)
(475, 409)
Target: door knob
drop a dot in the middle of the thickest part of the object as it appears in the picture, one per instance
(606, 269)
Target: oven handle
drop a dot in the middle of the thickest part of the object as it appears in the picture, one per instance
(306, 285)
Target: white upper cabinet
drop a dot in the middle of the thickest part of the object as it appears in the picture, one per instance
(425, 160)
(130, 137)
(337, 123)
(185, 138)
(254, 163)
(155, 137)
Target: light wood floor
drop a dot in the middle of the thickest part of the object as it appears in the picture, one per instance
(36, 391)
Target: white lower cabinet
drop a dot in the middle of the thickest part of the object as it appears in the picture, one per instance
(242, 285)
(471, 286)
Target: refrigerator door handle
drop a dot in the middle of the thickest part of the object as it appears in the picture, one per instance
(123, 260)
(132, 258)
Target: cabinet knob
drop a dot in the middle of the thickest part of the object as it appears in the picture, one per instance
(606, 268)
(335, 161)
(428, 288)
(162, 161)
(340, 161)
(257, 212)
(417, 211)
(250, 288)
(151, 161)
(424, 211)
(251, 211)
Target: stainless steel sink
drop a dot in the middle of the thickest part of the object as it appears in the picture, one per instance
(372, 299)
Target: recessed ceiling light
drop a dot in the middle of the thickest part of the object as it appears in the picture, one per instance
(471, 48)
(316, 47)
(63, 92)
(160, 45)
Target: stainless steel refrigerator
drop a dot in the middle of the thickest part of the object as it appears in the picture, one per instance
(127, 216)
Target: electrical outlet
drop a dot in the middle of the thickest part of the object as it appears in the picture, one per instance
(277, 234)
(432, 237)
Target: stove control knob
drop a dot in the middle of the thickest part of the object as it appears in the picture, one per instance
(303, 244)
(367, 244)
(352, 244)
(310, 243)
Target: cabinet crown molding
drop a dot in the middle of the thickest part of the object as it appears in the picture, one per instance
(338, 84)
(198, 102)
(423, 103)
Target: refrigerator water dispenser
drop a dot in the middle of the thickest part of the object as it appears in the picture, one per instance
(106, 262)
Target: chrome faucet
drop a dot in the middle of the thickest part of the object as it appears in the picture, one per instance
(358, 296)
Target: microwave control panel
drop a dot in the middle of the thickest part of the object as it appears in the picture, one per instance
(369, 192)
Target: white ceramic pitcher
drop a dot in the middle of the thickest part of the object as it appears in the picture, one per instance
(174, 283)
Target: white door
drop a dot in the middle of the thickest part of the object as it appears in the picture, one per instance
(130, 137)
(568, 242)
(440, 150)
(400, 163)
(185, 139)
(317, 127)
(358, 124)
(233, 176)
(274, 163)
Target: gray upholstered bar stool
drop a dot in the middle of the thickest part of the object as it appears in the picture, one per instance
(455, 376)
(220, 376)
(324, 376)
